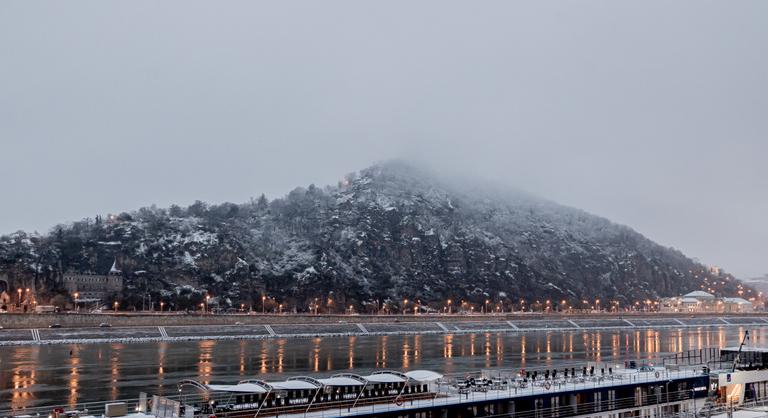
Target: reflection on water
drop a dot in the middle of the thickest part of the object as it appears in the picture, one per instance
(74, 362)
(23, 375)
(72, 374)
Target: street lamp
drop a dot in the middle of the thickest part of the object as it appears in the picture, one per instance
(449, 306)
(161, 306)
(77, 296)
(19, 299)
(116, 305)
(263, 304)
(207, 300)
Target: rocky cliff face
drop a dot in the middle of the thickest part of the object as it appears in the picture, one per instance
(389, 232)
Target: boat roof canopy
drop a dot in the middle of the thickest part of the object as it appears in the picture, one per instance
(386, 377)
(339, 380)
(294, 385)
(343, 380)
(238, 388)
(423, 376)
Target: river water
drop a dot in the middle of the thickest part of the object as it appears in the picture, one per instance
(43, 375)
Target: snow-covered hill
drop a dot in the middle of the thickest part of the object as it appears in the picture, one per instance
(390, 232)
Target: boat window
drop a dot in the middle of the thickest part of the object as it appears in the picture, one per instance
(555, 406)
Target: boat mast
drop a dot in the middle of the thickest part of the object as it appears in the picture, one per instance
(737, 359)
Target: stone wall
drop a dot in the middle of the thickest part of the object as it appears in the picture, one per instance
(29, 321)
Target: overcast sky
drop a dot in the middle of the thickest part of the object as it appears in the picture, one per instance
(651, 113)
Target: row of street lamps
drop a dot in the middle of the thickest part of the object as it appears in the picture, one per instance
(487, 307)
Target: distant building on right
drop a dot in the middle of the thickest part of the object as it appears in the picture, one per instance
(701, 302)
(737, 305)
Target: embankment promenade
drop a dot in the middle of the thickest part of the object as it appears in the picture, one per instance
(28, 329)
(120, 319)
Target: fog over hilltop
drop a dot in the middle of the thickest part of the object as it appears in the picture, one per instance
(388, 233)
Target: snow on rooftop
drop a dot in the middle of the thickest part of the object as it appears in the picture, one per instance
(423, 375)
(746, 348)
(293, 385)
(698, 294)
(341, 381)
(755, 412)
(240, 388)
(384, 378)
(738, 301)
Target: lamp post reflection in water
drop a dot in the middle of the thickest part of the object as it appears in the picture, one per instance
(406, 362)
(205, 357)
(74, 362)
(351, 353)
(243, 356)
(161, 350)
(448, 346)
(381, 352)
(23, 377)
(114, 360)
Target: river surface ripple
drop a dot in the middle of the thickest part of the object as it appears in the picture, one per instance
(43, 375)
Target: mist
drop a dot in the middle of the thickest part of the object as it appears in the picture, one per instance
(652, 114)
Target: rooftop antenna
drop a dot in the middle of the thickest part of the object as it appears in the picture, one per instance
(738, 354)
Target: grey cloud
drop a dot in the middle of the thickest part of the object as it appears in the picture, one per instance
(652, 114)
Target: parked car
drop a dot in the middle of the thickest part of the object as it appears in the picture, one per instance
(54, 326)
(104, 325)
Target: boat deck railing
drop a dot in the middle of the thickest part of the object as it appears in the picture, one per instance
(83, 408)
(449, 392)
(450, 395)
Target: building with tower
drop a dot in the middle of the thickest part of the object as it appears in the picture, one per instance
(91, 287)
